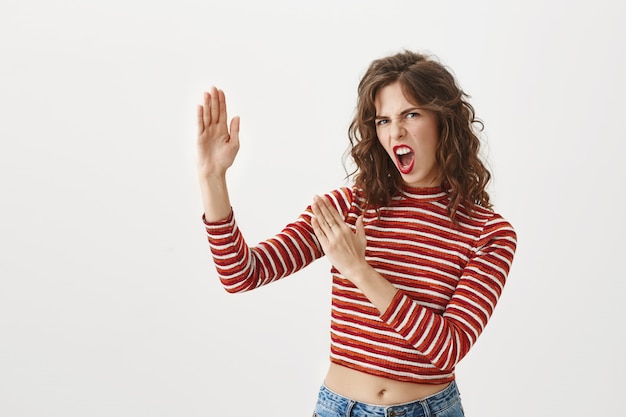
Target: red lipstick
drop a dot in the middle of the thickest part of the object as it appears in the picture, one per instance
(405, 158)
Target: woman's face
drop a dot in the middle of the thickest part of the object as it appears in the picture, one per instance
(409, 134)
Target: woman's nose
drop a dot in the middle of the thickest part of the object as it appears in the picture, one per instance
(397, 130)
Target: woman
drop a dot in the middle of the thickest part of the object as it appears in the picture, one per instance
(419, 257)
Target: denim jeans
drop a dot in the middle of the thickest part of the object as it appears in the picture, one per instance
(446, 403)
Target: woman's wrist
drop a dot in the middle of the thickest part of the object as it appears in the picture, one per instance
(360, 272)
(373, 285)
(215, 197)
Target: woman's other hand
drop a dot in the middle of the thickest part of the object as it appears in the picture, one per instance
(344, 248)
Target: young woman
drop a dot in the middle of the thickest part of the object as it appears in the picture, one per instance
(419, 257)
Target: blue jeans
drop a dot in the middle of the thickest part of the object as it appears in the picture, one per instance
(446, 403)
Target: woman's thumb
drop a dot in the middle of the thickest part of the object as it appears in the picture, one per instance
(234, 129)
(360, 229)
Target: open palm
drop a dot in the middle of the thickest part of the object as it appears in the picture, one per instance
(217, 147)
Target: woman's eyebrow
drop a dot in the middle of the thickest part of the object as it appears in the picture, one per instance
(402, 113)
(410, 110)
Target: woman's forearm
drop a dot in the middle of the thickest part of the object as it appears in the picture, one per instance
(215, 198)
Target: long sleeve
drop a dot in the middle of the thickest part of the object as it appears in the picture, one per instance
(241, 267)
(446, 338)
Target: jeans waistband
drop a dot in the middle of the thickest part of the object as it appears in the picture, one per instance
(424, 407)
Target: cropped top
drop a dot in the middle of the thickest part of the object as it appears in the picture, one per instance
(449, 279)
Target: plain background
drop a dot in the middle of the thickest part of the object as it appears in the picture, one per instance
(109, 302)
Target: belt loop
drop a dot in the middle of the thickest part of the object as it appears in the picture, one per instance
(426, 408)
(349, 408)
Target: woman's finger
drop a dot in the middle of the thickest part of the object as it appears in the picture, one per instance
(215, 106)
(234, 130)
(221, 99)
(328, 224)
(207, 109)
(319, 217)
(329, 213)
(319, 232)
(200, 114)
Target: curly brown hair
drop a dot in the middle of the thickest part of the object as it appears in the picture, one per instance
(428, 83)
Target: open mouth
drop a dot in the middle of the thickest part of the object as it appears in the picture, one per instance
(405, 157)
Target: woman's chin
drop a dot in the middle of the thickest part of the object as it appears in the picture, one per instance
(419, 181)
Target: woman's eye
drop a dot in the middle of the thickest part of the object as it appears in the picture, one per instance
(412, 115)
(382, 122)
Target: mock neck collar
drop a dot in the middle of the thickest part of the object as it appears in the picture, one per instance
(423, 194)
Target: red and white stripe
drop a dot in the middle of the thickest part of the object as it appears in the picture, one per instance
(449, 280)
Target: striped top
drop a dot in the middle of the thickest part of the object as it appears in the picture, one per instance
(449, 279)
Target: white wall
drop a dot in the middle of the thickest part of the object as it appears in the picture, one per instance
(109, 303)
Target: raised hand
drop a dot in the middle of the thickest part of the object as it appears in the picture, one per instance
(217, 146)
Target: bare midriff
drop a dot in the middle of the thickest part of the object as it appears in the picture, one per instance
(376, 390)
